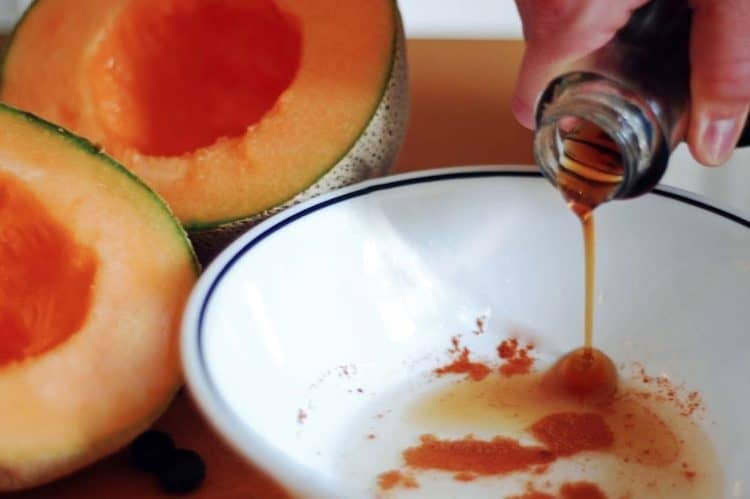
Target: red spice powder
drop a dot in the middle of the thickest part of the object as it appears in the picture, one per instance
(463, 365)
(455, 344)
(581, 490)
(464, 477)
(687, 403)
(395, 478)
(346, 371)
(480, 324)
(532, 495)
(389, 479)
(540, 470)
(687, 472)
(495, 457)
(568, 433)
(517, 359)
(693, 403)
(507, 349)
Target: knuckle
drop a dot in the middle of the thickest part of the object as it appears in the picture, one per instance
(547, 18)
(557, 9)
(723, 7)
(727, 80)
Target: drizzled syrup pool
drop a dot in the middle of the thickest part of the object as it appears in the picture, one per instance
(530, 432)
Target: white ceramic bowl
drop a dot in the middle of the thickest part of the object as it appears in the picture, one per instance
(341, 305)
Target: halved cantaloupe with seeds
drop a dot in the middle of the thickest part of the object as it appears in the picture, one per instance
(230, 109)
(94, 274)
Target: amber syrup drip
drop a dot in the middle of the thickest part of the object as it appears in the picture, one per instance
(590, 172)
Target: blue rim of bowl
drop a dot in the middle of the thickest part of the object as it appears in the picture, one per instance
(203, 386)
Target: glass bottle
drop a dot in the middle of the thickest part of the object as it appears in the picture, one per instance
(607, 126)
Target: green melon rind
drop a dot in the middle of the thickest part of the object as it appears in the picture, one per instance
(216, 224)
(97, 154)
(10, 480)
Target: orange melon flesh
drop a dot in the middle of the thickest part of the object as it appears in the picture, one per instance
(46, 283)
(225, 107)
(94, 277)
(234, 59)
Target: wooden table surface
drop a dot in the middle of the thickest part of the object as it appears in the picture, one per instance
(460, 115)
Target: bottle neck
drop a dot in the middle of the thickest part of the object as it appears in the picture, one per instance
(598, 141)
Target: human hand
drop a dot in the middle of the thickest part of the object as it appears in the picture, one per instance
(558, 32)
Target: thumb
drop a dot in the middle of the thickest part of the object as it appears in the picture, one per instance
(720, 78)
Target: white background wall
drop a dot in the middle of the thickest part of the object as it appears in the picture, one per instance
(729, 184)
(460, 18)
(9, 10)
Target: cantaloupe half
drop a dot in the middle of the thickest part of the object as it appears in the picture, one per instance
(230, 109)
(94, 274)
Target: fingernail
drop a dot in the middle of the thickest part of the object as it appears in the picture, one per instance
(717, 138)
(523, 113)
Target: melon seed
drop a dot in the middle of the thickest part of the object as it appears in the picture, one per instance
(152, 451)
(184, 473)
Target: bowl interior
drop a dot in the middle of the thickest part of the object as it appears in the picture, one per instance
(337, 311)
